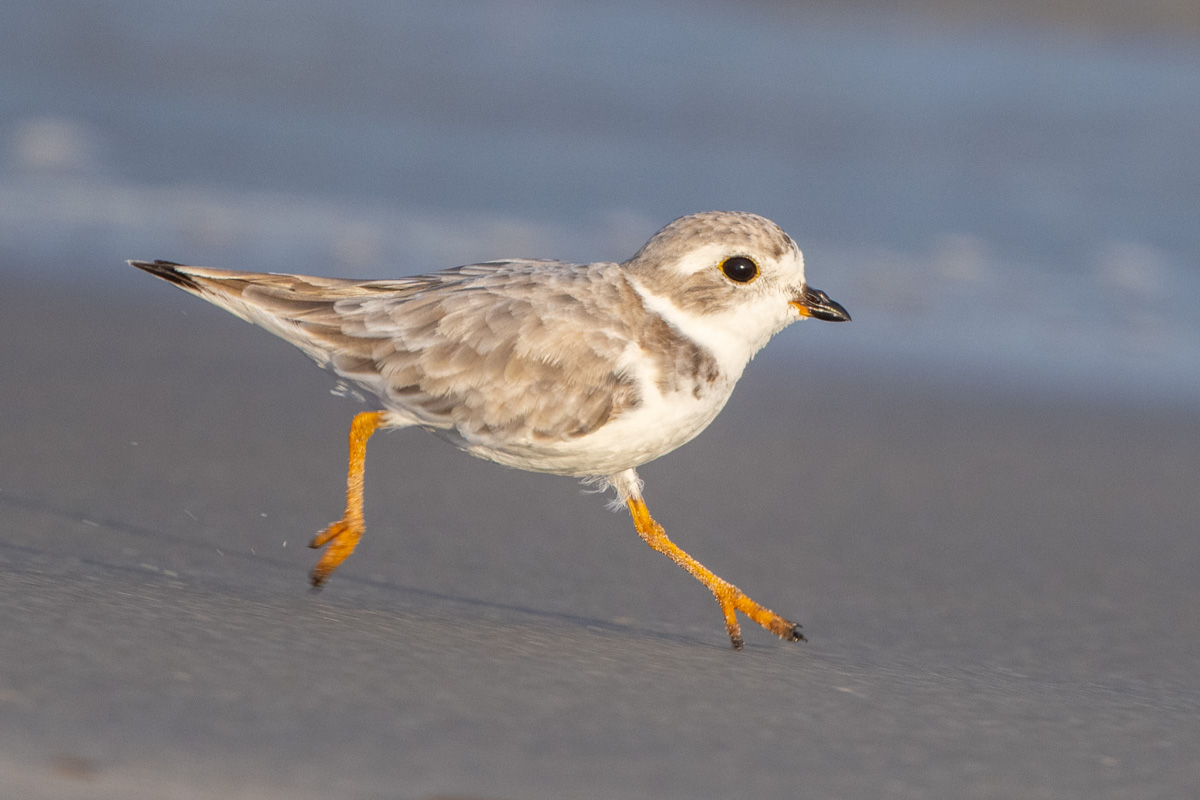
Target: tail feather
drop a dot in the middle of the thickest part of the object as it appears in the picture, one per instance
(168, 272)
(222, 288)
(285, 305)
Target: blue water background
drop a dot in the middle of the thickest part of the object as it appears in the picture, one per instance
(1009, 201)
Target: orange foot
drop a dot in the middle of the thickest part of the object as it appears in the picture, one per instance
(734, 599)
(342, 537)
(731, 598)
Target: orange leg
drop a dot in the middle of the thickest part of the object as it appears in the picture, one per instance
(343, 535)
(730, 597)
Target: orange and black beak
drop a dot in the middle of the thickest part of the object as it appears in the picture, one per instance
(816, 304)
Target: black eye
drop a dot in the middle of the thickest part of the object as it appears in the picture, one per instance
(739, 269)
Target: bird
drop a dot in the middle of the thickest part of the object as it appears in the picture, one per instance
(586, 370)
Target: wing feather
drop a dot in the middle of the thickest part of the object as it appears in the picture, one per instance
(505, 351)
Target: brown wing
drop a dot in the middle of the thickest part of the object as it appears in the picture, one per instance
(478, 349)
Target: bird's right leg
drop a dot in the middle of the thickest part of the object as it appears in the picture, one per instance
(731, 598)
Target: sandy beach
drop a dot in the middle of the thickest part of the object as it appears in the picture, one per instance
(999, 591)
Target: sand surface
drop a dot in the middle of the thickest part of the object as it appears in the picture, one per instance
(1000, 591)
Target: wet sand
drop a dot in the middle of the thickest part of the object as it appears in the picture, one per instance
(999, 591)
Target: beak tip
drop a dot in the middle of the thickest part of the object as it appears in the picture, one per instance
(816, 304)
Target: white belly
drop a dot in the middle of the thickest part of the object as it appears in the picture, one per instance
(657, 426)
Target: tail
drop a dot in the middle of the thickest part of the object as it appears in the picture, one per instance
(297, 308)
(169, 271)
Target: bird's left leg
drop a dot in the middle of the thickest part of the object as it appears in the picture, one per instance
(343, 535)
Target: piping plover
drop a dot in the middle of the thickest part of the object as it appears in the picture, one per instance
(588, 370)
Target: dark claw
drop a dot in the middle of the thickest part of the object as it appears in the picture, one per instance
(794, 635)
(737, 642)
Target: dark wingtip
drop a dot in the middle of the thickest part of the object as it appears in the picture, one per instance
(168, 272)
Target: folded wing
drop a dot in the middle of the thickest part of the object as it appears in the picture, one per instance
(429, 346)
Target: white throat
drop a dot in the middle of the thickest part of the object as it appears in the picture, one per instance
(724, 334)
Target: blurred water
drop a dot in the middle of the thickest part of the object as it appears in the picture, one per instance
(999, 201)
